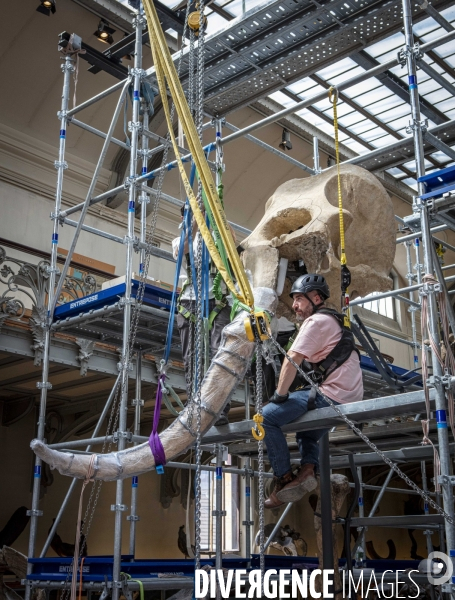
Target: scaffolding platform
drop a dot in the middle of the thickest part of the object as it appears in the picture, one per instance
(99, 317)
(153, 296)
(99, 568)
(438, 183)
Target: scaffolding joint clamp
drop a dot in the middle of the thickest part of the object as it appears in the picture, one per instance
(133, 518)
(127, 435)
(430, 288)
(130, 240)
(129, 366)
(247, 523)
(446, 479)
(41, 385)
(143, 199)
(134, 125)
(219, 513)
(34, 513)
(120, 508)
(60, 164)
(413, 125)
(137, 402)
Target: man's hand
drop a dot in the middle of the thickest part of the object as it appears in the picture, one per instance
(278, 399)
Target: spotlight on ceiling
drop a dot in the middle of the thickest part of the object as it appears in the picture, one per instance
(104, 32)
(285, 141)
(46, 7)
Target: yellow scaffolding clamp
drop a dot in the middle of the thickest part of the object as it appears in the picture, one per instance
(258, 431)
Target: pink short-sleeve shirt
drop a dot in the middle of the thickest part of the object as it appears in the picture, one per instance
(317, 337)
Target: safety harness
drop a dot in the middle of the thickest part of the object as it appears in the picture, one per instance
(321, 370)
(220, 298)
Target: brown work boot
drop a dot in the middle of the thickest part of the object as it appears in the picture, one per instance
(304, 482)
(278, 484)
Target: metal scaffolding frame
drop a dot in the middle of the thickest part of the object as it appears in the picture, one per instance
(425, 223)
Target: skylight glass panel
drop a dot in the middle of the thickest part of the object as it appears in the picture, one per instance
(337, 69)
(323, 104)
(342, 110)
(385, 105)
(342, 136)
(355, 146)
(447, 105)
(312, 91)
(394, 113)
(362, 127)
(351, 119)
(373, 96)
(235, 7)
(440, 156)
(445, 50)
(326, 127)
(215, 22)
(282, 99)
(395, 171)
(400, 124)
(427, 86)
(449, 13)
(438, 96)
(347, 75)
(362, 87)
(299, 87)
(384, 46)
(424, 27)
(411, 182)
(383, 141)
(373, 134)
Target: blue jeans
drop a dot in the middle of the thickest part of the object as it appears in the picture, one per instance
(277, 415)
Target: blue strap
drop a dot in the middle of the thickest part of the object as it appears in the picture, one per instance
(186, 219)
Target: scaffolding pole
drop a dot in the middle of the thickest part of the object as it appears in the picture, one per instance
(441, 405)
(119, 507)
(137, 403)
(44, 385)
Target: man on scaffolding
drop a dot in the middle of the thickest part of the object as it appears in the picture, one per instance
(325, 349)
(218, 308)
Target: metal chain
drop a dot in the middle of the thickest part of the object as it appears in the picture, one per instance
(199, 370)
(258, 407)
(115, 411)
(367, 441)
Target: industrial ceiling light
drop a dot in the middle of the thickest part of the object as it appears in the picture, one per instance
(104, 32)
(46, 7)
(285, 141)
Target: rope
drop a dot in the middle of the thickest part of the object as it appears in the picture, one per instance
(88, 479)
(363, 437)
(345, 273)
(141, 585)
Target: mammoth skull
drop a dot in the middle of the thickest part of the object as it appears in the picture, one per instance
(301, 222)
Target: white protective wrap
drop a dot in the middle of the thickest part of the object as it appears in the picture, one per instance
(222, 378)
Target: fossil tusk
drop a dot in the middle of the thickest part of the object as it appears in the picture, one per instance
(221, 380)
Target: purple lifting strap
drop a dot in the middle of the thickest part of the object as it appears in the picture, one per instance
(154, 440)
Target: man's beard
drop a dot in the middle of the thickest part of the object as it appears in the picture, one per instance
(304, 314)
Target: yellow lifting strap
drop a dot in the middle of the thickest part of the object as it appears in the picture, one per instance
(258, 431)
(165, 70)
(345, 273)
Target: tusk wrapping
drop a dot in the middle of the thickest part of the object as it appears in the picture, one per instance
(221, 380)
